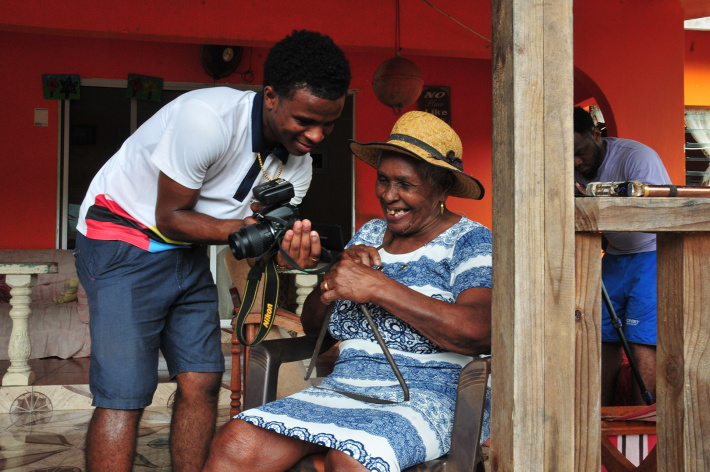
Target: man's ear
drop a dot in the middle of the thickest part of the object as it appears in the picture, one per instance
(271, 98)
(597, 134)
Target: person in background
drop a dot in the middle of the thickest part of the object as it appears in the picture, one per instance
(629, 263)
(424, 273)
(181, 181)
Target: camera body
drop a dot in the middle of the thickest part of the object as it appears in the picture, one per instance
(273, 221)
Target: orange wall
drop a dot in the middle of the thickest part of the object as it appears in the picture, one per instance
(697, 68)
(470, 85)
(633, 51)
(28, 155)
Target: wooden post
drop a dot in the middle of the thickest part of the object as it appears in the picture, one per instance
(588, 315)
(533, 231)
(683, 355)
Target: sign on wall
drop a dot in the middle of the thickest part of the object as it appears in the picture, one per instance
(437, 101)
(144, 87)
(61, 87)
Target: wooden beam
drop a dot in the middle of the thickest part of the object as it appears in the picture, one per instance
(660, 214)
(533, 228)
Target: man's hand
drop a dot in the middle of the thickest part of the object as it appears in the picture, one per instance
(580, 189)
(302, 245)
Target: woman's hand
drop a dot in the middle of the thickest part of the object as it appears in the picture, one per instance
(366, 255)
(351, 279)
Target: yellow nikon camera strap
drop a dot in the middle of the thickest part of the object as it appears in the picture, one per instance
(270, 296)
(268, 303)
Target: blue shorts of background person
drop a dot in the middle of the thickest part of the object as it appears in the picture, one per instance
(630, 280)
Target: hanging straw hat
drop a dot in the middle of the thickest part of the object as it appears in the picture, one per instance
(424, 136)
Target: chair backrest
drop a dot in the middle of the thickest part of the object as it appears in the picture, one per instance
(465, 453)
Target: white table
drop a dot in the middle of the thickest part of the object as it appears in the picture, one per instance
(20, 277)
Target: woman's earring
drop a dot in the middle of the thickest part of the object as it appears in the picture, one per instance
(442, 207)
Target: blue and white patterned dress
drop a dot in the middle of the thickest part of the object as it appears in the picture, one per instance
(391, 437)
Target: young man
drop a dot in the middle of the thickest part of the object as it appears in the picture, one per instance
(182, 180)
(629, 263)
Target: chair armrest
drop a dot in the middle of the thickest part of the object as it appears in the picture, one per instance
(468, 419)
(266, 358)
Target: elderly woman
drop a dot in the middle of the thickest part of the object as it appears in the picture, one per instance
(424, 273)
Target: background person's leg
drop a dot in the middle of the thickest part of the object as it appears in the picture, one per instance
(645, 357)
(611, 363)
(111, 440)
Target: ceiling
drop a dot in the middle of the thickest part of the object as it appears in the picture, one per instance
(456, 28)
(696, 9)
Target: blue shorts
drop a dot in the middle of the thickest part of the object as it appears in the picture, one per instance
(630, 280)
(140, 302)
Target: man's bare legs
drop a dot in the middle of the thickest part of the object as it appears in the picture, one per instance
(194, 419)
(111, 440)
(645, 357)
(645, 360)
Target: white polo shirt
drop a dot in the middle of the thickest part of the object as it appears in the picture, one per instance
(202, 140)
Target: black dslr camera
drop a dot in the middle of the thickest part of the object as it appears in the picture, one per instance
(274, 220)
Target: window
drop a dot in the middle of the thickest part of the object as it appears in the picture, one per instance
(697, 146)
(96, 126)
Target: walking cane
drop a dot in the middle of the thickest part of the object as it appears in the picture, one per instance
(617, 326)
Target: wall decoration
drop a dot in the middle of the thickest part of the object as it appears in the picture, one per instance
(144, 87)
(398, 81)
(61, 87)
(437, 101)
(220, 61)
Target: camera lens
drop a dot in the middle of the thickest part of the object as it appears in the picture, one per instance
(251, 241)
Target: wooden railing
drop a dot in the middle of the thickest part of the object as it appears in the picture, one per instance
(683, 350)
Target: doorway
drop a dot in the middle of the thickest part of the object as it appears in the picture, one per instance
(96, 126)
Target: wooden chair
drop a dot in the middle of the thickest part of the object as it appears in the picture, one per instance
(238, 271)
(465, 454)
(624, 422)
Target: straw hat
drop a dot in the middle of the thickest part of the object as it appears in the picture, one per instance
(424, 136)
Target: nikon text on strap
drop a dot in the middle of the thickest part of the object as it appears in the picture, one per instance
(268, 304)
(271, 294)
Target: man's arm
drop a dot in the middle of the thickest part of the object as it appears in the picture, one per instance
(176, 219)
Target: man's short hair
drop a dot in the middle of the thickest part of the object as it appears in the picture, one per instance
(583, 122)
(307, 60)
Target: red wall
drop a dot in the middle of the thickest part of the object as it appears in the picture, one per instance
(28, 182)
(633, 52)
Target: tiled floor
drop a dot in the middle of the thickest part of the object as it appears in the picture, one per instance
(43, 427)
